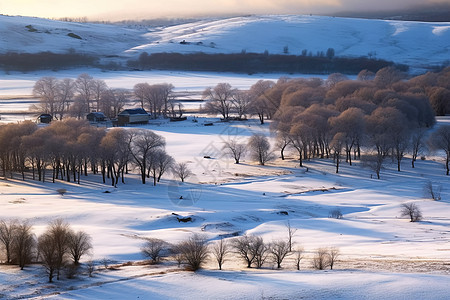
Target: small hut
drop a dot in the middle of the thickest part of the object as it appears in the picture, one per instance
(45, 118)
(133, 116)
(96, 117)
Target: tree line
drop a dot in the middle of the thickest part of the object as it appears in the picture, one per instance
(71, 148)
(77, 97)
(382, 113)
(195, 251)
(260, 62)
(59, 249)
(13, 61)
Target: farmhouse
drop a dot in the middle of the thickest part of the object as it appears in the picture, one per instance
(96, 117)
(133, 116)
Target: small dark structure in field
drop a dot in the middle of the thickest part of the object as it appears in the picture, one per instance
(45, 118)
(96, 117)
(133, 116)
(176, 119)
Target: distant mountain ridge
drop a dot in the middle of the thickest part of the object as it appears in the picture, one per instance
(417, 44)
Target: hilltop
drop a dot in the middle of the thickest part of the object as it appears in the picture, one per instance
(417, 44)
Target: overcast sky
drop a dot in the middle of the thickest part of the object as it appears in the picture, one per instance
(144, 9)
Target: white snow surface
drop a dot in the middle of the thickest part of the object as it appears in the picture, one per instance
(417, 44)
(383, 255)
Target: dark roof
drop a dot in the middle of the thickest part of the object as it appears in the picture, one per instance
(133, 111)
(45, 116)
(97, 114)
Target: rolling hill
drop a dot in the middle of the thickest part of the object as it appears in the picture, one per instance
(417, 44)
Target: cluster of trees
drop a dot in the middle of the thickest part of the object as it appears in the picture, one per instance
(158, 99)
(13, 61)
(77, 97)
(59, 248)
(70, 148)
(258, 146)
(260, 62)
(253, 250)
(381, 113)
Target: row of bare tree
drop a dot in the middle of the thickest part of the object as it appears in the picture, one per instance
(57, 249)
(77, 97)
(253, 250)
(71, 147)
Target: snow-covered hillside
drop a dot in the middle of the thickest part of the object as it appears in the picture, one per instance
(32, 35)
(417, 44)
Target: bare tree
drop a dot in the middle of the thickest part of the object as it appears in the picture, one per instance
(259, 147)
(235, 150)
(351, 125)
(115, 153)
(98, 87)
(46, 89)
(380, 126)
(176, 251)
(321, 259)
(337, 144)
(156, 97)
(194, 251)
(241, 103)
(243, 248)
(79, 244)
(153, 249)
(412, 211)
(262, 104)
(291, 232)
(182, 171)
(143, 142)
(220, 251)
(219, 99)
(66, 92)
(140, 91)
(260, 251)
(84, 86)
(159, 163)
(47, 250)
(333, 254)
(112, 101)
(56, 243)
(440, 139)
(298, 257)
(417, 143)
(433, 192)
(7, 233)
(23, 245)
(279, 250)
(283, 141)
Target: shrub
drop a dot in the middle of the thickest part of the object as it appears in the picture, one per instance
(320, 259)
(153, 249)
(194, 251)
(335, 214)
(412, 211)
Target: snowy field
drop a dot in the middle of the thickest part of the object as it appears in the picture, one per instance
(383, 256)
(399, 41)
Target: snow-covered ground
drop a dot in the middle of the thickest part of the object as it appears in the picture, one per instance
(399, 41)
(382, 254)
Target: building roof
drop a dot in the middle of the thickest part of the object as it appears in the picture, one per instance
(133, 111)
(97, 114)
